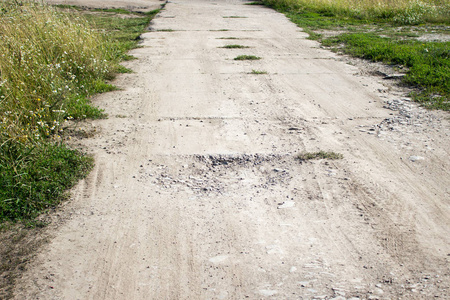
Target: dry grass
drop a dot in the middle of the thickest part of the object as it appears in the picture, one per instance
(46, 56)
(402, 11)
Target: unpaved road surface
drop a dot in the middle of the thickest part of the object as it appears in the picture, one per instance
(197, 193)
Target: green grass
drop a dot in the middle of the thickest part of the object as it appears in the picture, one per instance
(53, 60)
(399, 11)
(123, 33)
(386, 32)
(428, 63)
(113, 10)
(35, 177)
(319, 155)
(247, 57)
(254, 3)
(234, 46)
(258, 72)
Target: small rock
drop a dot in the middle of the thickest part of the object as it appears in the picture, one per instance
(416, 158)
(286, 204)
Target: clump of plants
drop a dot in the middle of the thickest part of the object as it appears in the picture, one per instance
(234, 46)
(258, 72)
(247, 57)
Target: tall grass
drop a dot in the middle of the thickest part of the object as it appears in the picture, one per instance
(399, 11)
(50, 62)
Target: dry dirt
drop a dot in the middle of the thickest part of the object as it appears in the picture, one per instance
(197, 192)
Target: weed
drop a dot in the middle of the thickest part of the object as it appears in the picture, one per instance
(234, 17)
(228, 38)
(247, 57)
(257, 72)
(234, 47)
(123, 70)
(319, 155)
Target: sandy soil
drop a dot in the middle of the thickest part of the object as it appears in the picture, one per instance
(197, 193)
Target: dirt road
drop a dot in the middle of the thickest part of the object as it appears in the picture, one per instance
(197, 192)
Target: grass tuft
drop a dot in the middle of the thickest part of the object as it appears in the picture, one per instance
(247, 57)
(234, 46)
(258, 72)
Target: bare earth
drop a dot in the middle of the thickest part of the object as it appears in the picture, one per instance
(197, 192)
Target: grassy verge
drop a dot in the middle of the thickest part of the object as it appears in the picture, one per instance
(50, 64)
(52, 60)
(384, 31)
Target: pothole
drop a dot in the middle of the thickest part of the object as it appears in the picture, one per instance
(219, 174)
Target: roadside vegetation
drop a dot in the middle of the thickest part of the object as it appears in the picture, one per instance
(52, 60)
(411, 35)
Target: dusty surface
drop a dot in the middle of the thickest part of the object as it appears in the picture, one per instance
(136, 5)
(197, 193)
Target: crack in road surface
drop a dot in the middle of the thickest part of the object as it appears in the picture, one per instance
(197, 192)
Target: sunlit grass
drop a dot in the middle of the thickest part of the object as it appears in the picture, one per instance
(48, 60)
(52, 60)
(401, 11)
